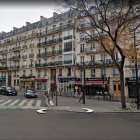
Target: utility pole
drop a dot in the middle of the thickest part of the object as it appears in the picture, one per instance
(83, 86)
(136, 69)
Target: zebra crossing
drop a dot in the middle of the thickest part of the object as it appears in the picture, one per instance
(20, 103)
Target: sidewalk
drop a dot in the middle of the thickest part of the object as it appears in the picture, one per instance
(73, 104)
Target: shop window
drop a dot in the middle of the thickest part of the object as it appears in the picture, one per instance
(17, 82)
(114, 87)
(119, 87)
(14, 82)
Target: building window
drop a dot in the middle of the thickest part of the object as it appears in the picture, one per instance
(82, 36)
(39, 73)
(24, 72)
(14, 82)
(92, 46)
(93, 73)
(103, 72)
(68, 34)
(67, 46)
(133, 73)
(115, 72)
(17, 82)
(61, 25)
(69, 72)
(60, 72)
(54, 27)
(82, 60)
(92, 58)
(60, 47)
(31, 72)
(82, 47)
(68, 58)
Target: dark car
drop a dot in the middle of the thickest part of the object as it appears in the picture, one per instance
(7, 90)
(30, 93)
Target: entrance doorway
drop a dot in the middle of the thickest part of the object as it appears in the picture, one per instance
(116, 88)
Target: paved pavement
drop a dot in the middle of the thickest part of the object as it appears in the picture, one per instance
(98, 105)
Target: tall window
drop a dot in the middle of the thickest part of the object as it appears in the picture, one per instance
(60, 72)
(54, 27)
(92, 46)
(68, 58)
(39, 73)
(60, 47)
(82, 59)
(133, 73)
(115, 72)
(103, 72)
(68, 46)
(93, 73)
(82, 47)
(69, 72)
(61, 25)
(68, 34)
(24, 72)
(92, 58)
(82, 36)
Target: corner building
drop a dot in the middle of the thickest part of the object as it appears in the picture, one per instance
(53, 52)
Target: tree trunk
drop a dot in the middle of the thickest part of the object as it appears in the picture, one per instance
(122, 84)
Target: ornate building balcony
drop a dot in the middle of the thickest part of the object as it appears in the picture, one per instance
(96, 64)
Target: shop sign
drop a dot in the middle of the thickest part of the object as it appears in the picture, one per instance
(46, 77)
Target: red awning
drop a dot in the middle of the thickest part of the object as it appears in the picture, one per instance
(90, 82)
(41, 79)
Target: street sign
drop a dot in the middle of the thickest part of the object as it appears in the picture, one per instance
(46, 77)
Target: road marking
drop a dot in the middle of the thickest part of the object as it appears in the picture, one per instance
(38, 103)
(51, 103)
(13, 103)
(88, 110)
(22, 103)
(6, 102)
(30, 102)
(1, 101)
(41, 111)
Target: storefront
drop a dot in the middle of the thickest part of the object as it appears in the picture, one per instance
(27, 82)
(66, 84)
(2, 81)
(131, 84)
(92, 85)
(41, 83)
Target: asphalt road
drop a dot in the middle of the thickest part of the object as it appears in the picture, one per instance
(20, 124)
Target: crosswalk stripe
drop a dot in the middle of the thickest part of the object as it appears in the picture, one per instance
(30, 102)
(13, 103)
(1, 101)
(22, 103)
(38, 103)
(4, 103)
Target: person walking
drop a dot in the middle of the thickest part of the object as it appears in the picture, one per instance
(81, 96)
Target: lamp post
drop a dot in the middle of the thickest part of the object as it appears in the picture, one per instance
(83, 86)
(136, 69)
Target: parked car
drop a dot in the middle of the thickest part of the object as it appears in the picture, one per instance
(30, 93)
(7, 90)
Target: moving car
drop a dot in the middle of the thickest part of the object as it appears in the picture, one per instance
(30, 93)
(7, 90)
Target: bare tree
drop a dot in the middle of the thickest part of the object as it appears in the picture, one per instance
(111, 21)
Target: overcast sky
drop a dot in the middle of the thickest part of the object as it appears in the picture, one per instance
(15, 14)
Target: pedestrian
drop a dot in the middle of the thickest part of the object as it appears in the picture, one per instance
(81, 96)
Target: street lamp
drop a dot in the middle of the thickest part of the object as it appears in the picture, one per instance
(136, 66)
(83, 86)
